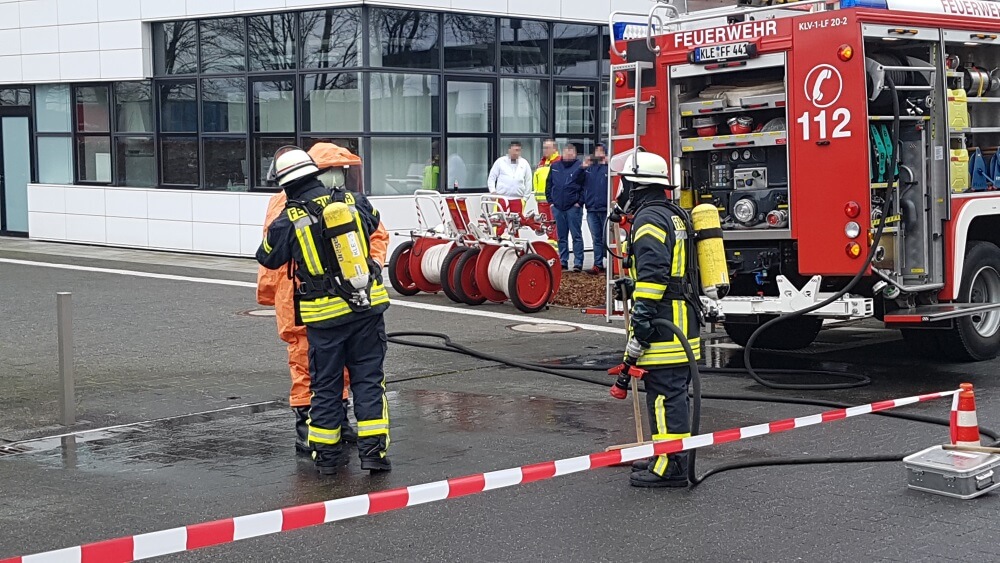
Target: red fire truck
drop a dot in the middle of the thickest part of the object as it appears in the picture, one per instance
(826, 134)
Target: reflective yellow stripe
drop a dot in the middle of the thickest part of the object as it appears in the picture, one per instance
(679, 258)
(668, 436)
(649, 290)
(379, 427)
(267, 246)
(309, 253)
(326, 308)
(660, 409)
(651, 230)
(324, 436)
(660, 467)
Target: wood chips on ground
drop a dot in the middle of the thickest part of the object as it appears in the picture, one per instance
(580, 291)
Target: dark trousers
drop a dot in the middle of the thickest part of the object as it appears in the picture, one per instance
(667, 402)
(595, 221)
(570, 223)
(361, 346)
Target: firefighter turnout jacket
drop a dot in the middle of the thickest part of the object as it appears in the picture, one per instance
(298, 234)
(658, 263)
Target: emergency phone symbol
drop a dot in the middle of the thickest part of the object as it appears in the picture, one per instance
(823, 86)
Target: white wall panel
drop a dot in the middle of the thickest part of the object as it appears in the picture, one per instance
(216, 208)
(85, 228)
(253, 208)
(121, 35)
(478, 6)
(170, 206)
(77, 11)
(85, 201)
(10, 42)
(206, 7)
(126, 203)
(309, 3)
(40, 68)
(10, 69)
(10, 15)
(587, 10)
(163, 9)
(115, 10)
(80, 66)
(215, 238)
(127, 232)
(46, 199)
(37, 13)
(170, 235)
(40, 40)
(51, 226)
(534, 8)
(242, 5)
(82, 37)
(250, 237)
(124, 64)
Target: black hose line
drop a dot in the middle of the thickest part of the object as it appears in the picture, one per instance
(850, 285)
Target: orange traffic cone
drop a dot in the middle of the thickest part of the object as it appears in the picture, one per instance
(964, 423)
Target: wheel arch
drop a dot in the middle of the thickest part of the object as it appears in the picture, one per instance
(977, 219)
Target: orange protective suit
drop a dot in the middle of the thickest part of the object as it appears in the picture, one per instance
(275, 288)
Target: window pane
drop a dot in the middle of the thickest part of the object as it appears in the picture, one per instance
(226, 164)
(92, 112)
(178, 107)
(531, 148)
(179, 160)
(15, 97)
(52, 114)
(404, 102)
(94, 159)
(470, 107)
(332, 102)
(575, 108)
(274, 106)
(575, 50)
(136, 162)
(470, 43)
(271, 41)
(134, 107)
(331, 38)
(584, 145)
(55, 160)
(523, 106)
(524, 46)
(223, 45)
(224, 105)
(603, 109)
(605, 51)
(468, 163)
(263, 153)
(403, 38)
(402, 166)
(176, 46)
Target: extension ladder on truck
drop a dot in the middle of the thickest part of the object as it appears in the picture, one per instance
(619, 106)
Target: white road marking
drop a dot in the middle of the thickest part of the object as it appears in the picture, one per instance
(253, 285)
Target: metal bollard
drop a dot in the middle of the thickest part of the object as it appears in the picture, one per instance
(64, 319)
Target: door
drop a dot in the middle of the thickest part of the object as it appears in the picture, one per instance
(469, 132)
(15, 173)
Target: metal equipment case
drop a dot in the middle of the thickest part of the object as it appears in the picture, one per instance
(952, 473)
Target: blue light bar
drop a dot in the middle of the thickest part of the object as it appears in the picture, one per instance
(631, 30)
(877, 4)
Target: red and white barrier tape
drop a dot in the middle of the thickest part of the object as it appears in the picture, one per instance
(187, 538)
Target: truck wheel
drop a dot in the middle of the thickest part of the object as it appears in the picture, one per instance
(792, 334)
(399, 270)
(976, 337)
(530, 283)
(448, 272)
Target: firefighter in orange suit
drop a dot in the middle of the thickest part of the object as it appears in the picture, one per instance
(276, 288)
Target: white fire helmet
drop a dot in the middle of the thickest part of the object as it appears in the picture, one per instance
(291, 164)
(647, 169)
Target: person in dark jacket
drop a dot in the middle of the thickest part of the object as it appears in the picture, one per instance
(595, 197)
(564, 192)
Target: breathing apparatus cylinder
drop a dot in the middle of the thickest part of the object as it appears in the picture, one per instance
(711, 252)
(347, 244)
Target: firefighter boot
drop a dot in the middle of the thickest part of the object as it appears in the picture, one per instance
(347, 432)
(329, 459)
(302, 431)
(640, 465)
(372, 452)
(674, 477)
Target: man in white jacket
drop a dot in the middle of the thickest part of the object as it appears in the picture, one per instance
(511, 174)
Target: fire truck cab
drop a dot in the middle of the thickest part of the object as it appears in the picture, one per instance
(837, 140)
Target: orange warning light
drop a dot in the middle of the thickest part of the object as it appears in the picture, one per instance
(845, 52)
(854, 250)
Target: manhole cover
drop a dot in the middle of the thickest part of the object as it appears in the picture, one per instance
(259, 313)
(543, 328)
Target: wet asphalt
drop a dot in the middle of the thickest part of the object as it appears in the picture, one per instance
(150, 352)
